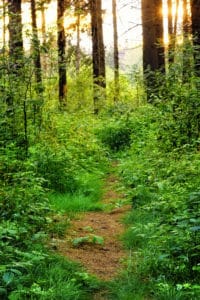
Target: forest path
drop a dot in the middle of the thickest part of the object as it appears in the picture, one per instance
(104, 260)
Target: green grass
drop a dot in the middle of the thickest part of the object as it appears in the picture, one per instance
(55, 278)
(85, 198)
(74, 203)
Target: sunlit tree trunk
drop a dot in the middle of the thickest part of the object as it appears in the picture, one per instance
(152, 22)
(186, 18)
(195, 9)
(42, 6)
(77, 12)
(61, 42)
(98, 53)
(116, 52)
(172, 28)
(159, 31)
(43, 28)
(4, 24)
(170, 17)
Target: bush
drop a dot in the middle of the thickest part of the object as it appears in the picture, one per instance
(164, 227)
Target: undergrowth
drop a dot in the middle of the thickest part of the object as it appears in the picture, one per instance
(163, 229)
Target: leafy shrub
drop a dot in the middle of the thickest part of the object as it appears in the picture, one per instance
(116, 133)
(164, 227)
(56, 166)
(179, 105)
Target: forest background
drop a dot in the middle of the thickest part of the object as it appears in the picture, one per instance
(68, 112)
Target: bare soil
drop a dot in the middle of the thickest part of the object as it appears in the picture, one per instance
(102, 260)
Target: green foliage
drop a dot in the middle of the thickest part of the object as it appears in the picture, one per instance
(55, 164)
(69, 153)
(164, 225)
(116, 132)
(88, 239)
(178, 103)
(76, 202)
(50, 277)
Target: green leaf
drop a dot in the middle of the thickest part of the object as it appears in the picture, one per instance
(8, 277)
(80, 240)
(195, 228)
(98, 240)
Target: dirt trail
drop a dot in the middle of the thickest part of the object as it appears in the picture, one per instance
(102, 260)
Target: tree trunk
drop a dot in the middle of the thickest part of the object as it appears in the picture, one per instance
(152, 22)
(195, 10)
(37, 64)
(172, 29)
(4, 24)
(61, 42)
(153, 48)
(15, 34)
(36, 47)
(77, 13)
(187, 67)
(170, 17)
(43, 28)
(98, 53)
(159, 31)
(116, 52)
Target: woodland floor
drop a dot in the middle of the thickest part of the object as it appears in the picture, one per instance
(102, 260)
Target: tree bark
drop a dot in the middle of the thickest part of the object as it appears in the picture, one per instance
(187, 67)
(37, 64)
(172, 29)
(153, 47)
(4, 24)
(15, 33)
(36, 47)
(77, 12)
(195, 12)
(98, 53)
(61, 43)
(116, 52)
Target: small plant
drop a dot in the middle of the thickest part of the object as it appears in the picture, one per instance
(88, 239)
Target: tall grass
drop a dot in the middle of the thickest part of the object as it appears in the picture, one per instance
(76, 202)
(85, 198)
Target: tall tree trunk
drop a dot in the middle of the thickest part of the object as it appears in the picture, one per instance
(15, 33)
(152, 22)
(170, 17)
(37, 63)
(43, 28)
(77, 12)
(195, 10)
(61, 42)
(4, 24)
(159, 34)
(116, 52)
(16, 64)
(153, 48)
(98, 53)
(172, 28)
(186, 42)
(36, 47)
